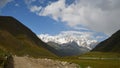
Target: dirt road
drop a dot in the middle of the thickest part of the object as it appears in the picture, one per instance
(25, 62)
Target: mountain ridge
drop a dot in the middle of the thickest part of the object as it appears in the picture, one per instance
(84, 39)
(112, 44)
(69, 43)
(18, 39)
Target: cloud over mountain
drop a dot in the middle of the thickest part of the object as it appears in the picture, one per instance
(98, 15)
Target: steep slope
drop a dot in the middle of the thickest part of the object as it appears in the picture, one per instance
(112, 44)
(20, 40)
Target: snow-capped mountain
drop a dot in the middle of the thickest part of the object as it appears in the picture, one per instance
(69, 43)
(83, 39)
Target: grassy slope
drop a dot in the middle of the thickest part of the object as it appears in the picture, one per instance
(20, 45)
(20, 40)
(101, 55)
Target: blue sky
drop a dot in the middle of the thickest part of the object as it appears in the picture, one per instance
(54, 16)
(38, 24)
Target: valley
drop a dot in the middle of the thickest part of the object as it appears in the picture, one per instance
(59, 33)
(21, 48)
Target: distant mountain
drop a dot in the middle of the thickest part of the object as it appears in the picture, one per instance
(83, 39)
(68, 49)
(112, 44)
(72, 42)
(20, 40)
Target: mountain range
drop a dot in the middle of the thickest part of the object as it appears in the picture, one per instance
(83, 39)
(72, 42)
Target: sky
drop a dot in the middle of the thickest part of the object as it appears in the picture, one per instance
(54, 16)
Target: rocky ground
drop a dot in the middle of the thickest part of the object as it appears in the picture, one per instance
(26, 62)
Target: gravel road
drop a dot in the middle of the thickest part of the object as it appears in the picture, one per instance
(26, 62)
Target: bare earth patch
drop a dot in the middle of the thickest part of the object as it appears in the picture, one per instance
(26, 62)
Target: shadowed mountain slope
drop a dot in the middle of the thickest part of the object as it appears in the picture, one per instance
(20, 40)
(112, 44)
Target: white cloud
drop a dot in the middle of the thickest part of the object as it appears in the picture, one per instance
(98, 15)
(4, 2)
(80, 28)
(35, 8)
(54, 9)
(99, 37)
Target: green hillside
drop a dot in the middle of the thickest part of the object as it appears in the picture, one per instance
(19, 40)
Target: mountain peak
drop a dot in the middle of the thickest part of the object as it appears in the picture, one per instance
(84, 39)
